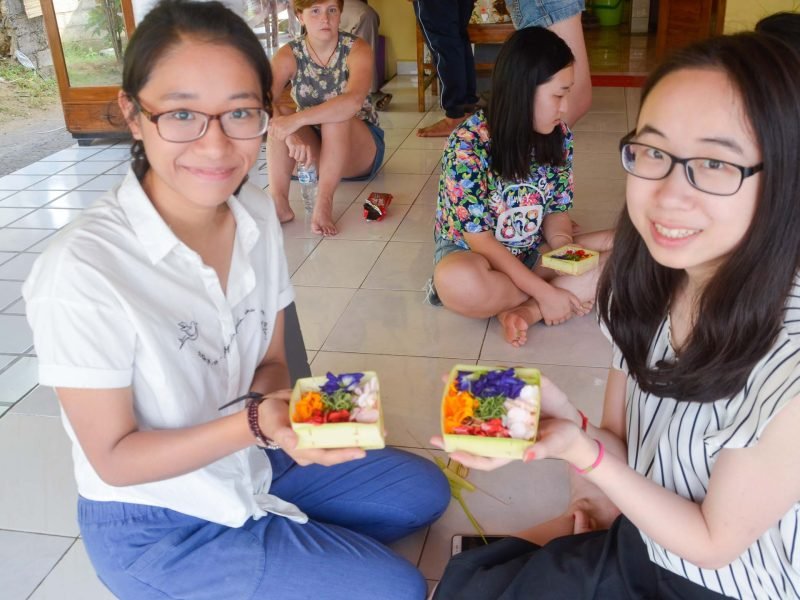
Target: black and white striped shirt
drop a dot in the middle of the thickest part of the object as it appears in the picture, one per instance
(677, 443)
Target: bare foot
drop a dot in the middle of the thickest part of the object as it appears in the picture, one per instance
(589, 510)
(322, 219)
(517, 320)
(285, 214)
(441, 128)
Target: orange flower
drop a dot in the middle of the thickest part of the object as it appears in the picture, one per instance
(305, 407)
(457, 407)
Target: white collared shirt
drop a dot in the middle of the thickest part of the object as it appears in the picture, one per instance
(118, 300)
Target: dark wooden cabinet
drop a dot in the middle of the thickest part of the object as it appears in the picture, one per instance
(681, 22)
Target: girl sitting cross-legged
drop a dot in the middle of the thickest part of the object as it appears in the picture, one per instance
(504, 196)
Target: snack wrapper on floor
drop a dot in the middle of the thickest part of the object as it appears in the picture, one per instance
(571, 259)
(375, 206)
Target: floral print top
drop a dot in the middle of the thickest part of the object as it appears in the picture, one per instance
(473, 198)
(313, 84)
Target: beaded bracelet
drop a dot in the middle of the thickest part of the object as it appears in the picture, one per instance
(601, 451)
(584, 420)
(255, 428)
(253, 399)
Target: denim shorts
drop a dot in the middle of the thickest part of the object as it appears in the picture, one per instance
(380, 150)
(542, 13)
(444, 247)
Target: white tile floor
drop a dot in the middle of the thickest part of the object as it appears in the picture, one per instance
(360, 302)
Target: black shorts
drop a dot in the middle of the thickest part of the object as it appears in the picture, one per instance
(602, 565)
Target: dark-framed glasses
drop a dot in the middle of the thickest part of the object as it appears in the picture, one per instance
(709, 175)
(183, 125)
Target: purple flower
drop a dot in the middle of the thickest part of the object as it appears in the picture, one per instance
(493, 383)
(345, 381)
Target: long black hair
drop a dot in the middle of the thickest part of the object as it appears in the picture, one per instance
(529, 58)
(740, 310)
(169, 23)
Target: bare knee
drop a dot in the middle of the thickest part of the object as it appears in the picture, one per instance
(462, 287)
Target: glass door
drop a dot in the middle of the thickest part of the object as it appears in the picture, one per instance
(87, 40)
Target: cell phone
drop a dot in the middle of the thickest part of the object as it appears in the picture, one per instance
(462, 543)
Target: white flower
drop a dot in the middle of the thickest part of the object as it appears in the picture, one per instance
(520, 432)
(529, 393)
(367, 396)
(520, 419)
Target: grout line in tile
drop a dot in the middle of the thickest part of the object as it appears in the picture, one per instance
(52, 568)
(11, 364)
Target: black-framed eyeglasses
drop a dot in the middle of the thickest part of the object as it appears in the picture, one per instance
(709, 175)
(183, 125)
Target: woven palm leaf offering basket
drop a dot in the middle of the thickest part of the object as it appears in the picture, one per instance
(338, 411)
(571, 259)
(491, 411)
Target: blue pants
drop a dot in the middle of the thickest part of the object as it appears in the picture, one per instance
(444, 25)
(143, 552)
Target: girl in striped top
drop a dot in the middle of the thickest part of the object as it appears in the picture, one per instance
(698, 446)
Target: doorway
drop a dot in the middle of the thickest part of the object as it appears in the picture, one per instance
(620, 57)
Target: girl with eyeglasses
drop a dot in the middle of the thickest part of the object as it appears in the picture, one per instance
(159, 307)
(505, 193)
(334, 125)
(698, 444)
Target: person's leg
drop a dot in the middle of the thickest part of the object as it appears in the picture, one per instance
(465, 8)
(466, 283)
(440, 23)
(589, 509)
(319, 560)
(363, 21)
(347, 150)
(280, 167)
(563, 18)
(580, 97)
(387, 495)
(353, 14)
(518, 320)
(150, 553)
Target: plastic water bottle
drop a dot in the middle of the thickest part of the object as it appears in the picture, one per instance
(307, 176)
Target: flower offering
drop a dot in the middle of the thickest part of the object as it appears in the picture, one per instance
(337, 411)
(491, 411)
(571, 259)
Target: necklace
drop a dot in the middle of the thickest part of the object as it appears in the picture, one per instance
(320, 62)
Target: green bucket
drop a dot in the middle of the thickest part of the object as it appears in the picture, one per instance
(608, 12)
